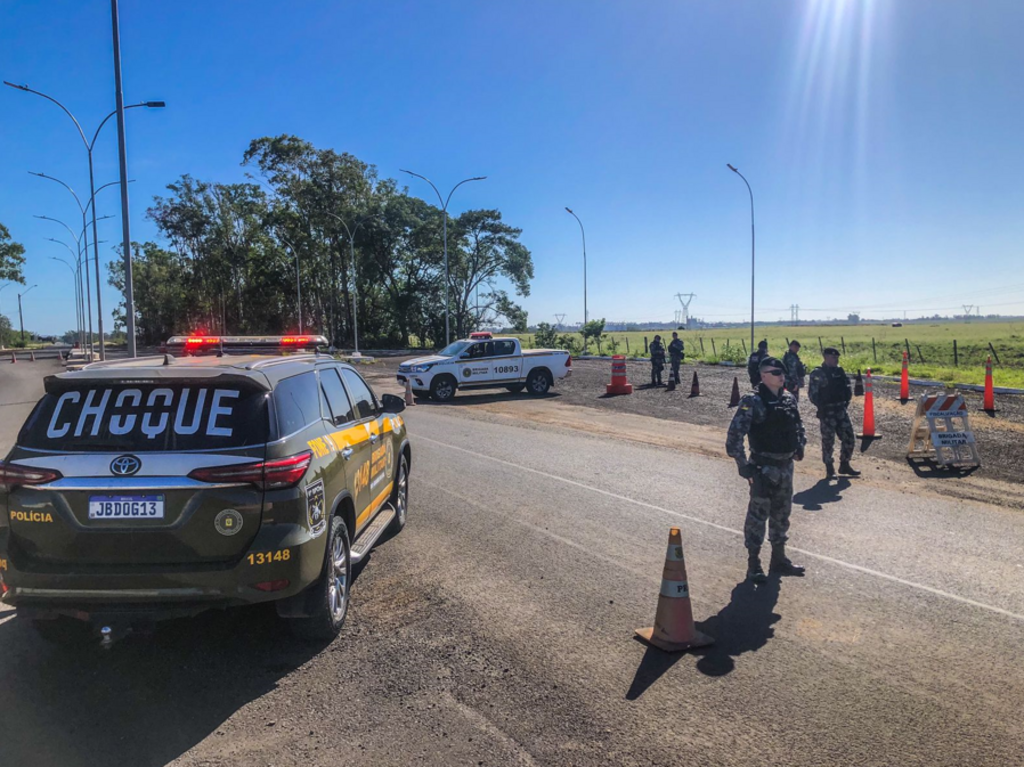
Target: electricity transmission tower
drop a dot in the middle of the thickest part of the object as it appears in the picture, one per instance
(685, 320)
(558, 320)
(794, 314)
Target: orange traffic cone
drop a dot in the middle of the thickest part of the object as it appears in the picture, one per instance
(869, 410)
(409, 400)
(905, 381)
(32, 356)
(990, 395)
(695, 386)
(673, 629)
(734, 400)
(14, 358)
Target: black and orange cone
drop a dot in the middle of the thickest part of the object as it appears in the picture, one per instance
(858, 386)
(695, 386)
(734, 400)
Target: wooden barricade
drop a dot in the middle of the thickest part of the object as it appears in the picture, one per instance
(942, 431)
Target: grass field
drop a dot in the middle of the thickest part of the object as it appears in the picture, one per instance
(879, 347)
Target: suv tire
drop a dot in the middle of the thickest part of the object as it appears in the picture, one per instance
(442, 388)
(329, 596)
(538, 382)
(400, 497)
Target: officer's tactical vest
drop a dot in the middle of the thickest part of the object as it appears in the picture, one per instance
(835, 387)
(777, 432)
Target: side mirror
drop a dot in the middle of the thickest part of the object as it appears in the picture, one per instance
(391, 403)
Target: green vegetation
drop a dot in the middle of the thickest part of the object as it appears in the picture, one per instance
(232, 250)
(931, 347)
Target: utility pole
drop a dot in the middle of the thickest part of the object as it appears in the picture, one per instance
(686, 306)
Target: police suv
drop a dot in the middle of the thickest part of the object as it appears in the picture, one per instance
(485, 362)
(159, 487)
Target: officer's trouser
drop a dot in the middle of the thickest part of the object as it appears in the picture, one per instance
(771, 501)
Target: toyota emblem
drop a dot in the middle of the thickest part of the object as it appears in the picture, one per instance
(125, 466)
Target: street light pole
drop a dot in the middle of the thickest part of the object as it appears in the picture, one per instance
(355, 274)
(298, 284)
(89, 146)
(74, 284)
(444, 211)
(586, 317)
(21, 318)
(750, 191)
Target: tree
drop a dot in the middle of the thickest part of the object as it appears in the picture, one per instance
(592, 330)
(12, 256)
(546, 336)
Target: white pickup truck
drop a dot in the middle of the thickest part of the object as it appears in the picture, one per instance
(484, 362)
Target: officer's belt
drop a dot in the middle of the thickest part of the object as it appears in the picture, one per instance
(779, 460)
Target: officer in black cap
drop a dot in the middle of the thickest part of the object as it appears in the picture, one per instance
(657, 360)
(830, 392)
(754, 362)
(770, 419)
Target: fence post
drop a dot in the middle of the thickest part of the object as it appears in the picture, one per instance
(714, 351)
(645, 345)
(727, 343)
(821, 348)
(627, 344)
(701, 346)
(842, 341)
(874, 354)
(744, 346)
(992, 349)
(906, 343)
(920, 357)
(956, 357)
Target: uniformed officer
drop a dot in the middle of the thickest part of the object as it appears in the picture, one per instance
(796, 373)
(657, 360)
(770, 420)
(675, 353)
(754, 362)
(830, 392)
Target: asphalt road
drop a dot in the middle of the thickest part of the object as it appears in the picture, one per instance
(498, 629)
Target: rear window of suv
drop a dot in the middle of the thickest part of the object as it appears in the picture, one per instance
(139, 417)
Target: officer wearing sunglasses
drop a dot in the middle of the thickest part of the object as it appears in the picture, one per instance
(770, 420)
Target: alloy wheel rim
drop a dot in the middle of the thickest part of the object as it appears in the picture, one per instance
(444, 391)
(403, 493)
(339, 579)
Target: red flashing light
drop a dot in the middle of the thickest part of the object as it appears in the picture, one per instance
(266, 475)
(480, 335)
(294, 340)
(201, 340)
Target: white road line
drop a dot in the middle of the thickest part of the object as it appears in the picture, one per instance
(698, 520)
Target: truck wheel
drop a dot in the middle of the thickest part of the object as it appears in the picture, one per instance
(329, 596)
(400, 497)
(442, 388)
(538, 382)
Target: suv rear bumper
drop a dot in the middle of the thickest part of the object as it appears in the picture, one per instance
(174, 591)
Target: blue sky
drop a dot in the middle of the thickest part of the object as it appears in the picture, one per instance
(882, 138)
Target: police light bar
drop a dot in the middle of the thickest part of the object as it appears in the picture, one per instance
(196, 344)
(480, 335)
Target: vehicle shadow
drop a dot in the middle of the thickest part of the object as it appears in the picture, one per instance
(744, 625)
(146, 700)
(468, 398)
(822, 492)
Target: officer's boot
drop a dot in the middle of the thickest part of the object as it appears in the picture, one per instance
(755, 573)
(830, 470)
(780, 562)
(846, 468)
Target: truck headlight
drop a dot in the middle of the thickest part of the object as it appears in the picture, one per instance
(420, 368)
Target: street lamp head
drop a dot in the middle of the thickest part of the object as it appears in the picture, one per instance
(19, 87)
(479, 178)
(154, 104)
(569, 209)
(731, 167)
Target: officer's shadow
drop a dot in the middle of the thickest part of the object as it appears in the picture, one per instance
(744, 625)
(824, 491)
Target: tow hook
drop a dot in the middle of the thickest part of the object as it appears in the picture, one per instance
(111, 634)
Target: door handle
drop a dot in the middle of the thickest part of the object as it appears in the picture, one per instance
(347, 453)
(373, 438)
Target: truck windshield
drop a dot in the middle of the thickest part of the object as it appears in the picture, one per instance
(455, 349)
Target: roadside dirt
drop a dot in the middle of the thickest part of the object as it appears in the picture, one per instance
(657, 417)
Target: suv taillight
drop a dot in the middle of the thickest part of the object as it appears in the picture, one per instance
(568, 361)
(12, 476)
(266, 475)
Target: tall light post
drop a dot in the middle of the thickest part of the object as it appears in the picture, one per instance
(586, 317)
(80, 299)
(21, 318)
(5, 285)
(74, 284)
(89, 146)
(733, 169)
(298, 284)
(84, 209)
(355, 275)
(444, 210)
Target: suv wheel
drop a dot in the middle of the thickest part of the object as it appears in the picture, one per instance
(330, 595)
(400, 496)
(538, 382)
(442, 388)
